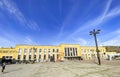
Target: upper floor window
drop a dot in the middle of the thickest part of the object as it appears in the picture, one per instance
(48, 50)
(40, 50)
(53, 50)
(25, 50)
(30, 50)
(85, 50)
(57, 50)
(45, 50)
(19, 50)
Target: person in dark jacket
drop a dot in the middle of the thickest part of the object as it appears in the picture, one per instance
(3, 64)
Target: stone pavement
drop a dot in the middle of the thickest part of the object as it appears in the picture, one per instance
(61, 69)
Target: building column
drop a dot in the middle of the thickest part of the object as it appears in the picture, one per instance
(22, 53)
(27, 54)
(67, 51)
(32, 54)
(37, 55)
(76, 51)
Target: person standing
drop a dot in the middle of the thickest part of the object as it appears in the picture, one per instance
(3, 66)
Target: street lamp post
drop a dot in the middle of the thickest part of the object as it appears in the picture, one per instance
(94, 32)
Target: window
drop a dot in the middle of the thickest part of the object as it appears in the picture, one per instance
(25, 50)
(44, 56)
(24, 57)
(40, 50)
(30, 51)
(76, 51)
(6, 56)
(19, 50)
(10, 57)
(57, 50)
(70, 49)
(35, 57)
(35, 50)
(68, 52)
(45, 51)
(53, 50)
(49, 51)
(29, 57)
(48, 56)
(18, 57)
(39, 56)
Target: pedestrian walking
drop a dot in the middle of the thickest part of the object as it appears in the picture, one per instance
(3, 66)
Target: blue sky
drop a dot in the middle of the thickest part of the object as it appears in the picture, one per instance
(53, 22)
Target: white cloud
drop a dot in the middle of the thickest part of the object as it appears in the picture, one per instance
(11, 8)
(5, 42)
(80, 41)
(67, 19)
(94, 22)
(114, 12)
(97, 21)
(115, 40)
(28, 40)
(33, 25)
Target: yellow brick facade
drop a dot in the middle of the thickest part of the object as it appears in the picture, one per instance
(8, 53)
(55, 53)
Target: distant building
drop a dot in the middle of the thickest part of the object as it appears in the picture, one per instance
(53, 53)
(113, 49)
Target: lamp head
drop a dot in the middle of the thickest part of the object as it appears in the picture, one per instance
(98, 30)
(91, 33)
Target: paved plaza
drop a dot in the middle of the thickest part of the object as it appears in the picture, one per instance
(62, 69)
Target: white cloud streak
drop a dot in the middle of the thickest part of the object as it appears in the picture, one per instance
(114, 40)
(28, 40)
(97, 21)
(80, 41)
(94, 22)
(67, 19)
(5, 42)
(113, 13)
(11, 8)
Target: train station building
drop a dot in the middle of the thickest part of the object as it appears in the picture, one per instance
(39, 53)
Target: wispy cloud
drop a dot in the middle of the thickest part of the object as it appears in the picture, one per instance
(114, 40)
(33, 25)
(114, 12)
(94, 22)
(28, 40)
(106, 15)
(97, 21)
(6, 42)
(80, 41)
(68, 18)
(11, 8)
